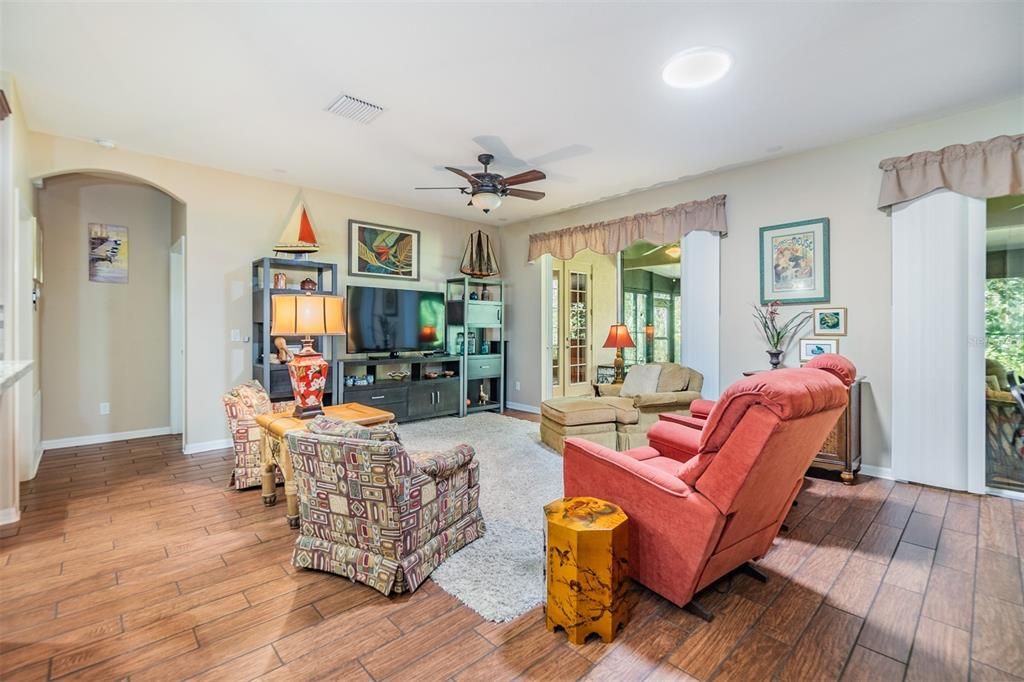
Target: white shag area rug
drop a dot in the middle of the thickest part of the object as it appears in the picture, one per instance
(501, 575)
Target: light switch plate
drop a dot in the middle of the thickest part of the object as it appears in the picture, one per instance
(236, 334)
(104, 408)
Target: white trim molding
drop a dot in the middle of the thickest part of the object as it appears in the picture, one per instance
(206, 446)
(100, 438)
(877, 472)
(522, 407)
(701, 292)
(9, 515)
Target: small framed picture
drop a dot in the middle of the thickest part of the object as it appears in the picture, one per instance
(812, 348)
(829, 321)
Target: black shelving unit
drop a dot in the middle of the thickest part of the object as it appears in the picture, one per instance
(418, 396)
(275, 377)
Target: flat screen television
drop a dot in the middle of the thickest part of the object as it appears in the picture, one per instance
(386, 320)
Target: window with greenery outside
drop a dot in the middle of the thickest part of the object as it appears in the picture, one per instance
(1004, 322)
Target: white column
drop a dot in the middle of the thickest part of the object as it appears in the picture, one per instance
(701, 296)
(938, 373)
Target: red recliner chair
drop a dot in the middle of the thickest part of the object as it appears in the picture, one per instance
(703, 502)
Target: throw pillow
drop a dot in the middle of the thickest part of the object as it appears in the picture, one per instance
(641, 379)
(339, 427)
(674, 378)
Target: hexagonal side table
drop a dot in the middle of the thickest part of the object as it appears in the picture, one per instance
(587, 547)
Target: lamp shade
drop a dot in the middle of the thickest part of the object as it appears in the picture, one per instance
(307, 315)
(618, 337)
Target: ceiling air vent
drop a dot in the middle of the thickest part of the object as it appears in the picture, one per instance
(355, 109)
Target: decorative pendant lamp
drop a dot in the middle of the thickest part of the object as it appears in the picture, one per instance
(307, 315)
(478, 260)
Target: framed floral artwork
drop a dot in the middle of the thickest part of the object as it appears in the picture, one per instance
(829, 321)
(812, 348)
(383, 251)
(794, 262)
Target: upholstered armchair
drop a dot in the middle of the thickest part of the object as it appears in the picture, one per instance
(704, 501)
(372, 512)
(241, 405)
(670, 389)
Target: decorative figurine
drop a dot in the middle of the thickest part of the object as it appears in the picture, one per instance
(283, 354)
(483, 395)
(460, 342)
(308, 284)
(485, 295)
(473, 296)
(485, 347)
(280, 280)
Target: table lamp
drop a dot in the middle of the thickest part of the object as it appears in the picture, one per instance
(618, 338)
(307, 315)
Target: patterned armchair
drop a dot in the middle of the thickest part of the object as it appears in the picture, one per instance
(372, 512)
(242, 404)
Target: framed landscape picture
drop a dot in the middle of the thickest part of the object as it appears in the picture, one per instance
(383, 251)
(794, 262)
(812, 348)
(108, 253)
(829, 321)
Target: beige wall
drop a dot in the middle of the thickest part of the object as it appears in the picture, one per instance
(840, 182)
(104, 342)
(232, 220)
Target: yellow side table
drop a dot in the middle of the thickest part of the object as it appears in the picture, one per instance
(587, 546)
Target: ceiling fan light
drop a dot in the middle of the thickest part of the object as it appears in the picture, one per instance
(486, 201)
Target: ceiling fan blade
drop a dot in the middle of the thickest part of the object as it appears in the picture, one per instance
(458, 188)
(524, 177)
(458, 171)
(526, 194)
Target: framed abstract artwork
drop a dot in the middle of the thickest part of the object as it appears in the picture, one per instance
(812, 348)
(794, 262)
(108, 253)
(383, 251)
(829, 321)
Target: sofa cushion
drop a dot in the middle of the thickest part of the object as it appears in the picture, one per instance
(339, 427)
(625, 412)
(575, 411)
(673, 377)
(666, 464)
(641, 379)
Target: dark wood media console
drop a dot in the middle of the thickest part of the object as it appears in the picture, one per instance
(416, 396)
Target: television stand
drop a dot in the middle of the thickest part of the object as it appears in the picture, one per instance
(417, 396)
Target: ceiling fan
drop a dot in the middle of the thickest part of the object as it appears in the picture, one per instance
(487, 189)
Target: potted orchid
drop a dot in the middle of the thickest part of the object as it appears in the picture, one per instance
(767, 319)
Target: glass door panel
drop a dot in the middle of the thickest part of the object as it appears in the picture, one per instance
(556, 346)
(578, 337)
(1004, 344)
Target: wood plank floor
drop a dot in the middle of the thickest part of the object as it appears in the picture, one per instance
(132, 560)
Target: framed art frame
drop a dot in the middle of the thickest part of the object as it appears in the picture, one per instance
(829, 321)
(794, 262)
(383, 251)
(108, 253)
(811, 348)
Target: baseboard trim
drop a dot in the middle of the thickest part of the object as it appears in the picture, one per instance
(877, 472)
(100, 438)
(523, 408)
(206, 446)
(9, 515)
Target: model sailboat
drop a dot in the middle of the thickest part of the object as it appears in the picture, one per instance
(298, 237)
(479, 260)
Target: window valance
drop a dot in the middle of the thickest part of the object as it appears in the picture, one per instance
(982, 170)
(663, 226)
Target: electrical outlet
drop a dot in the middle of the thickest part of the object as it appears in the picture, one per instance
(104, 408)
(517, 385)
(236, 334)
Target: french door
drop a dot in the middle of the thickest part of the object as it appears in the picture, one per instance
(571, 329)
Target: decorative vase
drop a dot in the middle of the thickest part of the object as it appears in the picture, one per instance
(308, 372)
(280, 280)
(308, 284)
(774, 357)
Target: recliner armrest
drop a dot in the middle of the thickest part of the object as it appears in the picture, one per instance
(443, 464)
(677, 441)
(701, 408)
(628, 465)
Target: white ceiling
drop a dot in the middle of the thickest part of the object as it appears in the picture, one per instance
(570, 88)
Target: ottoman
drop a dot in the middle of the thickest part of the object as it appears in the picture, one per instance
(586, 418)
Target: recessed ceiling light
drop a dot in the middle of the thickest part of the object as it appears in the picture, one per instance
(697, 67)
(105, 143)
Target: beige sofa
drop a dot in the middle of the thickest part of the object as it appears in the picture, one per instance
(618, 421)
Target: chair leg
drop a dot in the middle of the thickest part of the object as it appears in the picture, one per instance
(697, 609)
(785, 528)
(754, 572)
